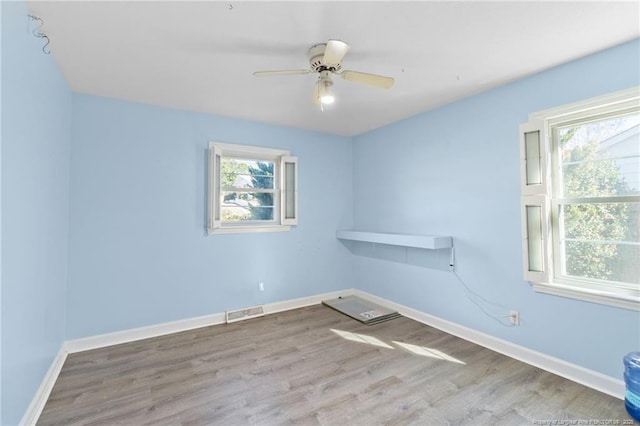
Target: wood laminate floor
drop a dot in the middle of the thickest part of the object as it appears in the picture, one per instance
(315, 366)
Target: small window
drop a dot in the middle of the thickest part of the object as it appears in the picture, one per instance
(581, 215)
(251, 189)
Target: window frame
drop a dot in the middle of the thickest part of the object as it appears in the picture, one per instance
(285, 188)
(545, 196)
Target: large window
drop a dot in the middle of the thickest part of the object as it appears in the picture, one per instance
(251, 189)
(581, 200)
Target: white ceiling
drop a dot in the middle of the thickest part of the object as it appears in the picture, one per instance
(200, 56)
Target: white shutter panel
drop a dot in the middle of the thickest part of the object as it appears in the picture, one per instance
(534, 163)
(289, 207)
(533, 157)
(215, 154)
(535, 238)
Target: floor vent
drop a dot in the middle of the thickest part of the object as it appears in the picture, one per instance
(362, 310)
(244, 314)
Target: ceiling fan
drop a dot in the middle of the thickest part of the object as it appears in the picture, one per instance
(326, 60)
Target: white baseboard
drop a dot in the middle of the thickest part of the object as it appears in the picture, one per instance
(131, 335)
(102, 340)
(584, 376)
(286, 305)
(576, 373)
(42, 394)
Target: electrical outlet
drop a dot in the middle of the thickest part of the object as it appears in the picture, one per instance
(514, 317)
(261, 286)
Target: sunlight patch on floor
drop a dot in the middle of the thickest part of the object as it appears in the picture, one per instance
(417, 350)
(362, 338)
(428, 352)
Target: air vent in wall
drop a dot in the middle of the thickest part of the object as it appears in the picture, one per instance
(243, 314)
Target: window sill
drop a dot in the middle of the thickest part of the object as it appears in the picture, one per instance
(588, 295)
(248, 229)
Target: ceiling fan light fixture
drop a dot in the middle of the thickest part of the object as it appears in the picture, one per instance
(325, 90)
(326, 93)
(327, 99)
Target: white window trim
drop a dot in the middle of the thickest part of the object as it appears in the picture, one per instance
(544, 282)
(217, 149)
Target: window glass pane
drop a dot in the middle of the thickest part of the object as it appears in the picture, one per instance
(600, 158)
(602, 241)
(532, 149)
(244, 173)
(534, 238)
(290, 182)
(243, 206)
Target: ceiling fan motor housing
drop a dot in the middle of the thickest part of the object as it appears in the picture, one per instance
(316, 55)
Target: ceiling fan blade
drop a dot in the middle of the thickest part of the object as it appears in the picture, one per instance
(370, 79)
(334, 52)
(281, 72)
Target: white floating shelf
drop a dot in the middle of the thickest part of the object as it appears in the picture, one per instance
(405, 240)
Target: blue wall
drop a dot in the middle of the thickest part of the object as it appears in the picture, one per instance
(138, 252)
(455, 171)
(103, 216)
(36, 134)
